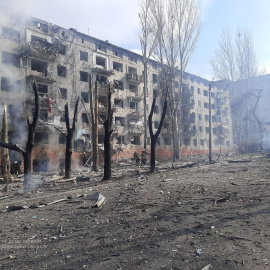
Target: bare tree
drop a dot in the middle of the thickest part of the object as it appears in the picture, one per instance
(107, 139)
(26, 151)
(235, 61)
(69, 137)
(153, 136)
(94, 122)
(188, 19)
(148, 39)
(166, 53)
(5, 153)
(178, 24)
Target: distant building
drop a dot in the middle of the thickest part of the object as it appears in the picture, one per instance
(60, 60)
(251, 113)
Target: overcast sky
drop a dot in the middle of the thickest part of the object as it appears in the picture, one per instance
(117, 21)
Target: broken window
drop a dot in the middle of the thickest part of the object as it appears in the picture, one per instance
(10, 58)
(202, 142)
(101, 138)
(85, 97)
(156, 124)
(155, 93)
(10, 85)
(117, 66)
(199, 103)
(132, 59)
(156, 110)
(206, 105)
(199, 91)
(84, 56)
(200, 129)
(194, 142)
(155, 78)
(63, 93)
(41, 138)
(118, 102)
(23, 61)
(43, 27)
(207, 129)
(6, 84)
(166, 125)
(133, 87)
(62, 49)
(187, 141)
(120, 139)
(118, 54)
(200, 116)
(101, 61)
(101, 48)
(213, 106)
(120, 121)
(135, 140)
(133, 105)
(205, 93)
(62, 139)
(176, 84)
(212, 94)
(167, 141)
(39, 66)
(83, 76)
(62, 118)
(43, 89)
(43, 116)
(206, 117)
(79, 145)
(61, 71)
(118, 84)
(101, 79)
(84, 118)
(11, 34)
(132, 70)
(102, 100)
(38, 39)
(215, 131)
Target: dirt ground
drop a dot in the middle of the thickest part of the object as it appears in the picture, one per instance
(198, 217)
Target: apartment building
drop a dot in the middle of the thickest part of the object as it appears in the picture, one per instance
(250, 113)
(60, 60)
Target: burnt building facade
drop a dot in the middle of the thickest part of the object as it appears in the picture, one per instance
(61, 60)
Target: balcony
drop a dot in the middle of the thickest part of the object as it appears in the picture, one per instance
(103, 71)
(134, 96)
(135, 113)
(40, 76)
(134, 78)
(40, 48)
(136, 127)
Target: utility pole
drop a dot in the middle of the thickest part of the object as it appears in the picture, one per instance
(210, 119)
(145, 90)
(5, 152)
(210, 123)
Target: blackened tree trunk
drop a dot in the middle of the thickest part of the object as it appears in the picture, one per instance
(69, 138)
(5, 153)
(27, 151)
(155, 136)
(94, 122)
(107, 139)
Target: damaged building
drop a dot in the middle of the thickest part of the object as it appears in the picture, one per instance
(61, 60)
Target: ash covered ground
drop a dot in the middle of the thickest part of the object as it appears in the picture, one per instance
(191, 215)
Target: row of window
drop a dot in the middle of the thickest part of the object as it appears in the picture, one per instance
(218, 141)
